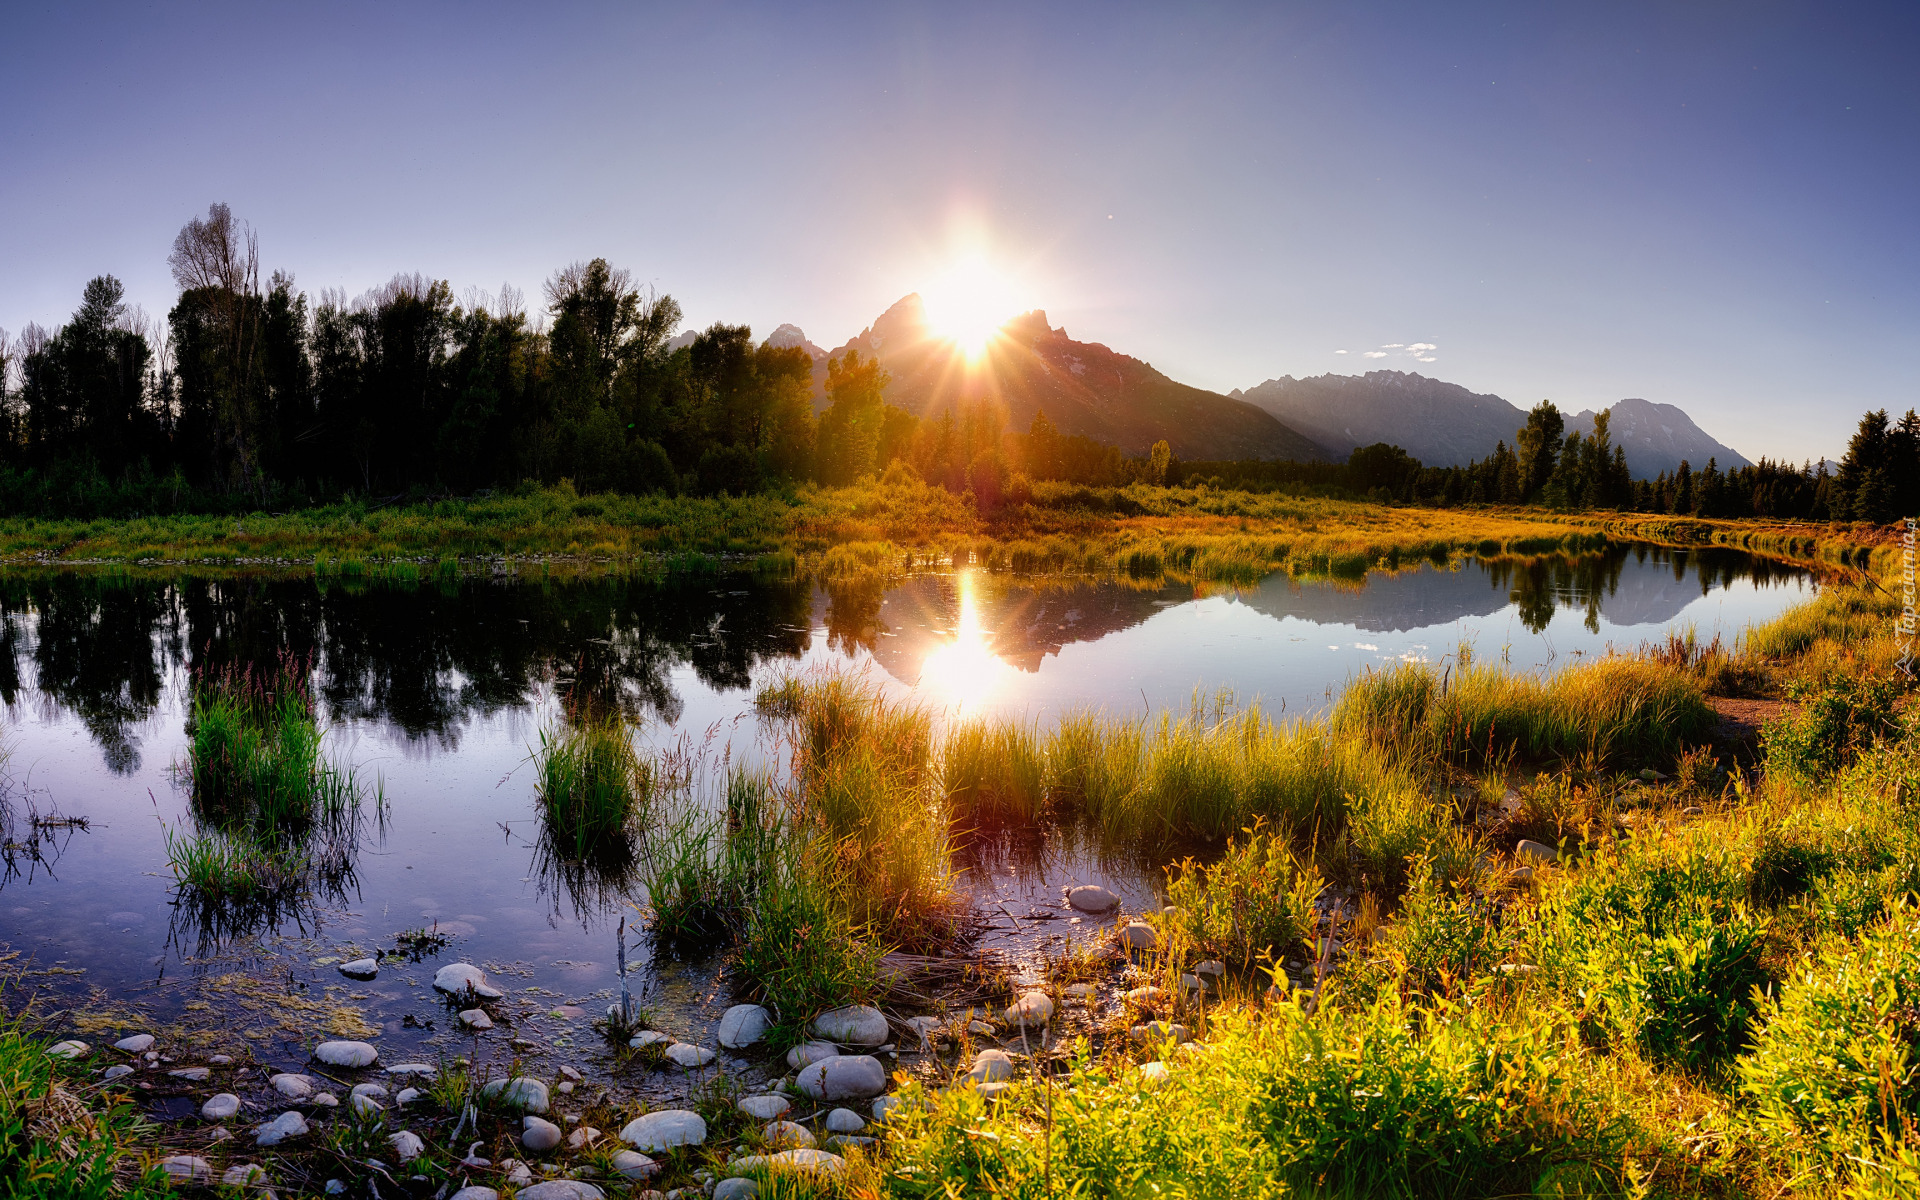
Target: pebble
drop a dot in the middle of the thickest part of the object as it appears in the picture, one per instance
(787, 1135)
(374, 1090)
(243, 1175)
(992, 1091)
(407, 1145)
(688, 1056)
(647, 1037)
(929, 1028)
(980, 1027)
(808, 1053)
(221, 1134)
(193, 1074)
(115, 1072)
(1152, 1075)
(743, 1025)
(819, 1161)
(582, 1137)
(847, 1077)
(187, 1168)
(1159, 1031)
(425, 1069)
(517, 1174)
(137, 1044)
(220, 1060)
(1536, 851)
(566, 1087)
(1692, 810)
(1193, 983)
(1080, 991)
(1034, 1008)
(572, 1074)
(364, 1106)
(1210, 967)
(407, 1096)
(1521, 875)
(665, 1129)
(326, 1100)
(288, 1124)
(219, 1108)
(338, 1187)
(521, 1092)
(360, 968)
(765, 1108)
(844, 1120)
(561, 1189)
(634, 1165)
(736, 1189)
(843, 1140)
(1138, 935)
(1092, 898)
(854, 1025)
(884, 1106)
(991, 1066)
(474, 1191)
(345, 1054)
(67, 1049)
(476, 1019)
(460, 979)
(539, 1135)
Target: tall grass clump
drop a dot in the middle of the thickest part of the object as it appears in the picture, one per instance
(705, 871)
(1613, 710)
(993, 772)
(593, 786)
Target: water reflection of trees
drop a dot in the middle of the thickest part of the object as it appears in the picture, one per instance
(422, 659)
(1540, 587)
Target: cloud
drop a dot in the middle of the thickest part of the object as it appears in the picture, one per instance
(1428, 358)
(1394, 346)
(1339, 351)
(1376, 354)
(1419, 348)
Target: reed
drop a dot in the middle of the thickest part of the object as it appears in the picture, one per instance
(593, 787)
(994, 771)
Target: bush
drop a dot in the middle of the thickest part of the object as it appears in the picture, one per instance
(1254, 902)
(1835, 720)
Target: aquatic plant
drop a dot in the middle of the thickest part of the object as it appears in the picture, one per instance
(593, 788)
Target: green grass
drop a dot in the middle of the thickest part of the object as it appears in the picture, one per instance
(593, 788)
(61, 1136)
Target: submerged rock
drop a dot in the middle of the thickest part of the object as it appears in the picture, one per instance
(476, 1019)
(854, 1025)
(743, 1025)
(345, 1054)
(664, 1130)
(460, 979)
(847, 1077)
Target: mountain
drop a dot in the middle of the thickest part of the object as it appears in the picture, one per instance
(790, 335)
(1084, 388)
(1657, 437)
(1441, 424)
(1445, 425)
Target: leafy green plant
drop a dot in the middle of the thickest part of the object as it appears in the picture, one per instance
(1254, 902)
(1832, 722)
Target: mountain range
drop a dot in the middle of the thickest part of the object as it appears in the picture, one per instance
(1443, 424)
(1089, 389)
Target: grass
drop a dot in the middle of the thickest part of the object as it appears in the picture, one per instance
(61, 1136)
(594, 789)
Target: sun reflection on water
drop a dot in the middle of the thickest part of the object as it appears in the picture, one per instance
(963, 674)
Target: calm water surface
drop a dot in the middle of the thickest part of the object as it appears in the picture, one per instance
(441, 692)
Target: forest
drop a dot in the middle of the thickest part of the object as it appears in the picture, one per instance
(252, 395)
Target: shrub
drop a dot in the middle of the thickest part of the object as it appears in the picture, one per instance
(1442, 939)
(1254, 902)
(1835, 720)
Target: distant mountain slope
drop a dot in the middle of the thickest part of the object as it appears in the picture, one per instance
(1657, 437)
(791, 335)
(1441, 424)
(1084, 388)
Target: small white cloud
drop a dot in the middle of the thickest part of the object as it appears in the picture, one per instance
(1339, 351)
(1428, 358)
(1419, 348)
(1394, 346)
(1375, 354)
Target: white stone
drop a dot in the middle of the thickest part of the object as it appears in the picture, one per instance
(930, 1029)
(847, 1077)
(765, 1108)
(115, 1072)
(1536, 851)
(474, 1191)
(1138, 935)
(326, 1100)
(743, 1025)
(688, 1056)
(787, 1135)
(338, 1187)
(648, 1037)
(561, 1189)
(220, 1060)
(635, 1165)
(539, 1135)
(407, 1145)
(220, 1107)
(854, 1025)
(522, 1092)
(1092, 898)
(664, 1130)
(245, 1175)
(818, 1161)
(364, 1106)
(345, 1054)
(193, 1074)
(375, 1090)
(289, 1124)
(137, 1044)
(407, 1096)
(884, 1107)
(518, 1174)
(808, 1053)
(1159, 1031)
(991, 1066)
(426, 1069)
(1034, 1008)
(736, 1189)
(476, 1019)
(187, 1168)
(583, 1137)
(1152, 1075)
(1146, 997)
(1080, 991)
(360, 968)
(844, 1120)
(67, 1049)
(841, 1141)
(572, 1074)
(1210, 967)
(460, 979)
(293, 1087)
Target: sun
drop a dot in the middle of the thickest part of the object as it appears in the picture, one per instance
(969, 302)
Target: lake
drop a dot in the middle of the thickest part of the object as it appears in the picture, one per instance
(441, 691)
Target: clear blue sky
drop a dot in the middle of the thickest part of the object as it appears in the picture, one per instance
(1708, 204)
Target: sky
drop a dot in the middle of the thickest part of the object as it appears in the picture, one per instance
(1706, 204)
